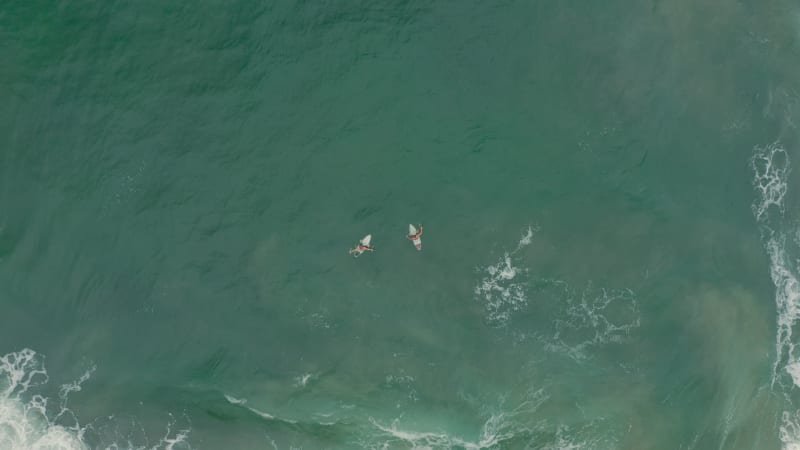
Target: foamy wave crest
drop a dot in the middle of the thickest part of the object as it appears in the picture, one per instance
(593, 317)
(264, 415)
(502, 289)
(31, 421)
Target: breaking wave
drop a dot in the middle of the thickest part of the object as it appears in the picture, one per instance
(29, 420)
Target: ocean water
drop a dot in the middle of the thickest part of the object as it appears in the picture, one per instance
(611, 252)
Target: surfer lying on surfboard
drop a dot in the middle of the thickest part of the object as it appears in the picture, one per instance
(414, 236)
(363, 246)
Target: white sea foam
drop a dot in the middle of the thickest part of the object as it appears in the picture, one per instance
(170, 442)
(794, 371)
(497, 429)
(526, 238)
(235, 401)
(403, 383)
(493, 432)
(787, 300)
(771, 168)
(567, 438)
(265, 415)
(501, 430)
(31, 421)
(789, 431)
(592, 317)
(21, 370)
(302, 380)
(502, 288)
(24, 417)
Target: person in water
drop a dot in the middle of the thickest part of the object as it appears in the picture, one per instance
(361, 248)
(414, 237)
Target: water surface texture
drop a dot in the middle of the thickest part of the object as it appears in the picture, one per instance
(607, 188)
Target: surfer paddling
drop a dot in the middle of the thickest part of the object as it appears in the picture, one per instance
(363, 246)
(414, 236)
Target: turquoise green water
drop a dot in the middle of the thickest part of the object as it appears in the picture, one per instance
(607, 189)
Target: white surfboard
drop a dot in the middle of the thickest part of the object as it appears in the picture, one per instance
(365, 241)
(412, 231)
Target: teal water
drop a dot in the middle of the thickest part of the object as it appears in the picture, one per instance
(607, 189)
